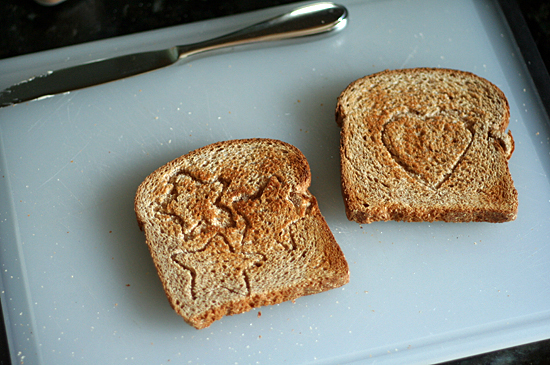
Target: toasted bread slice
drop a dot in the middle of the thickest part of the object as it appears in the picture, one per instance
(232, 226)
(425, 145)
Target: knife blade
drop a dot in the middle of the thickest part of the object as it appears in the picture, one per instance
(313, 19)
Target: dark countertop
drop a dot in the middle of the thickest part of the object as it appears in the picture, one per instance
(28, 27)
(537, 17)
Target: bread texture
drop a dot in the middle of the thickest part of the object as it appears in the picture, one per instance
(232, 226)
(425, 144)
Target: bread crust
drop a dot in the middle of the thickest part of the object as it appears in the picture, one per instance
(425, 144)
(231, 226)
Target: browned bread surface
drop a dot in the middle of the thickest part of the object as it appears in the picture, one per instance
(425, 145)
(231, 226)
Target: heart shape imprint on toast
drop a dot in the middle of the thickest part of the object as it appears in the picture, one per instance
(427, 147)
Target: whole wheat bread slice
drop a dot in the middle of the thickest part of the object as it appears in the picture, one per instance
(425, 145)
(232, 226)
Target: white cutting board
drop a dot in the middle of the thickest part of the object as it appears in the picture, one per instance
(78, 285)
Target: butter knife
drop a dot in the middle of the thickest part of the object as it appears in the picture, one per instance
(312, 19)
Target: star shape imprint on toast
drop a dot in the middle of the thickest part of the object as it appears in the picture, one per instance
(216, 269)
(195, 204)
(194, 212)
(269, 216)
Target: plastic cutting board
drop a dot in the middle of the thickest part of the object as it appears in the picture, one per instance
(78, 286)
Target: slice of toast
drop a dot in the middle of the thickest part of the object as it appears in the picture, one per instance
(232, 226)
(425, 145)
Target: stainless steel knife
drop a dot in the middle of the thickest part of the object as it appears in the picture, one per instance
(316, 18)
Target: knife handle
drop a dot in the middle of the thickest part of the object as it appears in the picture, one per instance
(308, 20)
